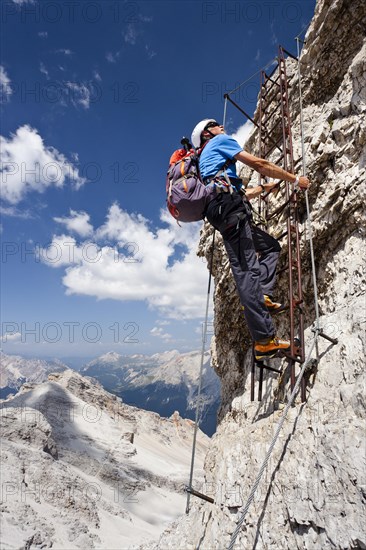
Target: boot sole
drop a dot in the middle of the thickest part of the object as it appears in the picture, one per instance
(270, 354)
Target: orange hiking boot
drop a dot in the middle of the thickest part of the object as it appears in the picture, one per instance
(270, 347)
(273, 307)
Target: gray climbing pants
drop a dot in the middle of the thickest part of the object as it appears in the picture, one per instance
(254, 276)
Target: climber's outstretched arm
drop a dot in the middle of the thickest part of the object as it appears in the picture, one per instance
(269, 169)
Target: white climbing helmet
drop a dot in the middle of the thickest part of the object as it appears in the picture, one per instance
(197, 131)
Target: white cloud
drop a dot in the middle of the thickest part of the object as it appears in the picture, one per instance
(135, 29)
(5, 88)
(138, 263)
(159, 333)
(243, 132)
(43, 69)
(274, 38)
(13, 212)
(145, 18)
(77, 222)
(64, 51)
(130, 34)
(79, 94)
(97, 76)
(241, 135)
(150, 53)
(64, 251)
(11, 337)
(112, 57)
(27, 164)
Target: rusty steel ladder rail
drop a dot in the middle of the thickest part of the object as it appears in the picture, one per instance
(294, 255)
(265, 136)
(297, 353)
(287, 158)
(265, 148)
(262, 208)
(263, 203)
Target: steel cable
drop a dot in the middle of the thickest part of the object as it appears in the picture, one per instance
(270, 449)
(313, 268)
(196, 424)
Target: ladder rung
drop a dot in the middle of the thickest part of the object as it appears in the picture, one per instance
(198, 494)
(289, 54)
(323, 335)
(268, 90)
(276, 161)
(267, 100)
(271, 115)
(293, 357)
(268, 76)
(261, 365)
(277, 142)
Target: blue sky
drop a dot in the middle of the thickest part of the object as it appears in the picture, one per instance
(95, 96)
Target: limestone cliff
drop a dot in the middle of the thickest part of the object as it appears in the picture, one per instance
(312, 495)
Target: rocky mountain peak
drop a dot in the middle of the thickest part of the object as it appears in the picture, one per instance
(17, 370)
(110, 356)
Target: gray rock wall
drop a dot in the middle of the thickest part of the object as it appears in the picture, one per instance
(312, 495)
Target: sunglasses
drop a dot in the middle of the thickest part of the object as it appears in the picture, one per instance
(211, 125)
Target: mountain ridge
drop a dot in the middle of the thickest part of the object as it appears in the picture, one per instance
(87, 470)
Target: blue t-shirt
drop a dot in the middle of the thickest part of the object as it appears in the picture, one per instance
(217, 151)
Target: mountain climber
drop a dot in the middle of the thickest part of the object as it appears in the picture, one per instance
(230, 213)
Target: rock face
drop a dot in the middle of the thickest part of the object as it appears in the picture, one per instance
(312, 495)
(80, 469)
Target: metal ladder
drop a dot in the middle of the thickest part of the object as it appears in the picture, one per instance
(275, 137)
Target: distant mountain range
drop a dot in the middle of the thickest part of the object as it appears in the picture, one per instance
(16, 371)
(163, 383)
